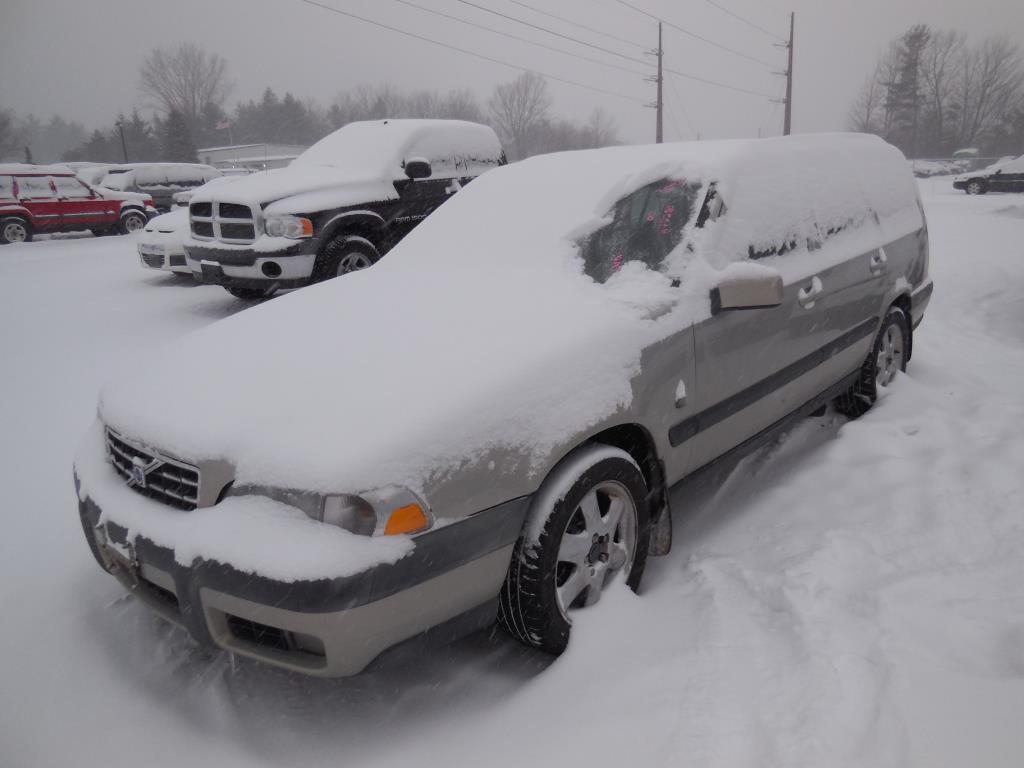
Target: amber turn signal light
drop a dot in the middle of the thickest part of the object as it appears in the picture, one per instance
(408, 519)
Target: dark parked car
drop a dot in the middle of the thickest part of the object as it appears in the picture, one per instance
(43, 199)
(1006, 176)
(159, 180)
(339, 206)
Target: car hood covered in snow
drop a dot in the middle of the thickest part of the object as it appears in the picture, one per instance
(479, 331)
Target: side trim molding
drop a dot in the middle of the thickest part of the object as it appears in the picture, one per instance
(720, 411)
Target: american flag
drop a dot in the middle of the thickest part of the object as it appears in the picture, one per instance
(223, 124)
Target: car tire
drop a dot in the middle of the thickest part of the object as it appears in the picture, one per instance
(101, 231)
(14, 229)
(132, 221)
(344, 254)
(551, 575)
(976, 187)
(888, 356)
(250, 294)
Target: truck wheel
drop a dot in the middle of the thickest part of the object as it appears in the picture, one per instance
(132, 221)
(576, 543)
(250, 294)
(344, 254)
(976, 187)
(888, 357)
(15, 230)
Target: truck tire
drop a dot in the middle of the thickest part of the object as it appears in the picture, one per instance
(344, 254)
(575, 544)
(249, 294)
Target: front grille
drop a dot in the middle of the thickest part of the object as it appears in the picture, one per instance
(233, 211)
(155, 260)
(237, 232)
(164, 479)
(229, 222)
(176, 260)
(202, 229)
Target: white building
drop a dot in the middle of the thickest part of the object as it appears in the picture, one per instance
(254, 157)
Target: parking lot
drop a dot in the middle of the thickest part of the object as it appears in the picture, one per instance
(851, 595)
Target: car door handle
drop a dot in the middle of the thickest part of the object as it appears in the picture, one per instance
(810, 293)
(879, 262)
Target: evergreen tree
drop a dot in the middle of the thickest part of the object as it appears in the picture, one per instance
(903, 93)
(176, 143)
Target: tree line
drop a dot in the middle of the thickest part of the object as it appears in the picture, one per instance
(933, 92)
(187, 90)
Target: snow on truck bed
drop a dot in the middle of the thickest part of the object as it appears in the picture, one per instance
(480, 330)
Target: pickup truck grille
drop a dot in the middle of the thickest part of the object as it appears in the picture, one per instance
(227, 222)
(159, 477)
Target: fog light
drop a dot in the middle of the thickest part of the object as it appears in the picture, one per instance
(271, 269)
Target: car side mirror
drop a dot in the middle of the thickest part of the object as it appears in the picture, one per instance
(418, 168)
(747, 293)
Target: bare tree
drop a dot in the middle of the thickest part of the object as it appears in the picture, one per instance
(10, 134)
(517, 108)
(991, 79)
(186, 79)
(939, 65)
(600, 130)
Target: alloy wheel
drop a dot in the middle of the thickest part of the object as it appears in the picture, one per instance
(599, 542)
(890, 355)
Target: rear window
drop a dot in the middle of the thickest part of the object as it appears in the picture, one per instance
(646, 226)
(34, 187)
(6, 187)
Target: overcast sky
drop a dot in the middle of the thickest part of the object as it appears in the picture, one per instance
(79, 58)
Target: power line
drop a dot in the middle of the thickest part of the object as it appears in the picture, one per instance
(693, 34)
(552, 32)
(469, 53)
(576, 23)
(704, 80)
(516, 37)
(748, 22)
(682, 107)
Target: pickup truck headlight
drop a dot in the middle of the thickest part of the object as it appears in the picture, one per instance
(292, 227)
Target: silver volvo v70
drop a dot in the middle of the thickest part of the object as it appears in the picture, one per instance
(496, 422)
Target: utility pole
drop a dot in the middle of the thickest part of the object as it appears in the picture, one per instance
(124, 144)
(659, 102)
(787, 127)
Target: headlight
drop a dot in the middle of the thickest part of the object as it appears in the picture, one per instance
(386, 512)
(293, 227)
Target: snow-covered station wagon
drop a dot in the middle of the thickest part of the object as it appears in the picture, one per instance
(496, 421)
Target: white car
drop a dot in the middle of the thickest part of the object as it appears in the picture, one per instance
(159, 242)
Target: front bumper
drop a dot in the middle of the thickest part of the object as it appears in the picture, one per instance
(326, 627)
(290, 268)
(160, 257)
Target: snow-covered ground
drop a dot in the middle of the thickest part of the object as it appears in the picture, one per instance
(852, 595)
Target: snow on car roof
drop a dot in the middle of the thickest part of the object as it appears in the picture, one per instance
(480, 331)
(25, 169)
(376, 149)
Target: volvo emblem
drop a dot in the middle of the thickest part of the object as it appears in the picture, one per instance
(138, 471)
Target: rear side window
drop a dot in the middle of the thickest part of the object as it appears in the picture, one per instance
(34, 187)
(6, 187)
(71, 188)
(150, 177)
(646, 226)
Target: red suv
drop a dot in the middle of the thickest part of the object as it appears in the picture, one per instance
(41, 199)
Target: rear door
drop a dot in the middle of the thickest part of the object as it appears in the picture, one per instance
(81, 208)
(37, 195)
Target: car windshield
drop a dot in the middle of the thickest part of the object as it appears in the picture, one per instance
(646, 226)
